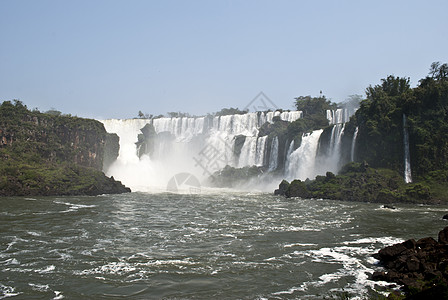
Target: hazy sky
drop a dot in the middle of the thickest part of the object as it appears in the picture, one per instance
(110, 59)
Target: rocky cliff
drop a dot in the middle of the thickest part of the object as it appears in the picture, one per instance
(44, 154)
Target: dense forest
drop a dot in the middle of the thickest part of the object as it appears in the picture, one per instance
(379, 145)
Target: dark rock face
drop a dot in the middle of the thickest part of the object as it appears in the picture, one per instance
(111, 150)
(282, 188)
(419, 266)
(443, 236)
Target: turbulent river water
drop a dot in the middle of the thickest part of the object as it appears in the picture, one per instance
(211, 245)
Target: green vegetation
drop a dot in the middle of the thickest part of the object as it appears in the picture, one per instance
(380, 143)
(52, 154)
(380, 139)
(230, 177)
(231, 111)
(359, 182)
(313, 105)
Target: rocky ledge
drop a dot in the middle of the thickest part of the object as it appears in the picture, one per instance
(421, 266)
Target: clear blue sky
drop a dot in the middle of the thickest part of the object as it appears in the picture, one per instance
(110, 59)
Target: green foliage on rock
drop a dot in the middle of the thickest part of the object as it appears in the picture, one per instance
(313, 105)
(231, 177)
(380, 122)
(359, 182)
(52, 154)
(231, 111)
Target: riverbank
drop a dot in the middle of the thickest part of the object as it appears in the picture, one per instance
(360, 182)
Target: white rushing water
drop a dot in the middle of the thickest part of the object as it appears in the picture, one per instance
(197, 145)
(203, 145)
(301, 162)
(340, 115)
(273, 160)
(352, 153)
(407, 155)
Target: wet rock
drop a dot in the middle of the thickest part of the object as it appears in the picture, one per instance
(391, 252)
(443, 236)
(427, 242)
(388, 206)
(282, 188)
(417, 265)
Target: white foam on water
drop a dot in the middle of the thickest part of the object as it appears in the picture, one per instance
(58, 295)
(7, 291)
(298, 245)
(10, 261)
(48, 269)
(33, 233)
(353, 264)
(386, 241)
(73, 207)
(39, 287)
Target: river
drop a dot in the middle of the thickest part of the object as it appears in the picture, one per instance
(232, 245)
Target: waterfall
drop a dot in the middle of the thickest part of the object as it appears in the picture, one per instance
(407, 155)
(329, 159)
(261, 150)
(273, 157)
(248, 152)
(288, 155)
(340, 115)
(301, 162)
(198, 145)
(352, 153)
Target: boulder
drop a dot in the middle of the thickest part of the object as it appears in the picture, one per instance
(417, 265)
(282, 188)
(443, 236)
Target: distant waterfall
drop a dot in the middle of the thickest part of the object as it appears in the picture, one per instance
(301, 162)
(340, 115)
(334, 152)
(288, 154)
(273, 157)
(352, 153)
(407, 155)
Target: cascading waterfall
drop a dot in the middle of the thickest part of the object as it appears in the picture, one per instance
(198, 145)
(248, 152)
(301, 162)
(273, 158)
(352, 152)
(261, 149)
(288, 153)
(340, 115)
(407, 155)
(204, 145)
(329, 159)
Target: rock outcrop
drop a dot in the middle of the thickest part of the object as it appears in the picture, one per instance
(47, 154)
(420, 266)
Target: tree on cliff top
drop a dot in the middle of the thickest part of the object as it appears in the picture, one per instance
(313, 105)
